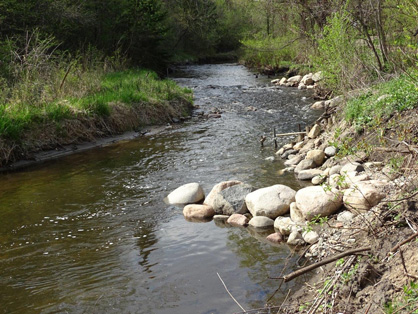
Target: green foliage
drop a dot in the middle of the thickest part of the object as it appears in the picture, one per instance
(316, 220)
(373, 108)
(407, 303)
(347, 276)
(263, 52)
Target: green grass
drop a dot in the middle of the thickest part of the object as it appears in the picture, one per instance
(132, 88)
(386, 99)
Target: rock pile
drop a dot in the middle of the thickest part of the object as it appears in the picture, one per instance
(307, 81)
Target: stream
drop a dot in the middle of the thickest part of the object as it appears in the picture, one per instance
(90, 233)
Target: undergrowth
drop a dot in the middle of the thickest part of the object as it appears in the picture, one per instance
(376, 106)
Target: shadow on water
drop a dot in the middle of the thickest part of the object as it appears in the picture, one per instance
(90, 233)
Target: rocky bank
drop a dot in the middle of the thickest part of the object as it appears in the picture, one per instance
(353, 200)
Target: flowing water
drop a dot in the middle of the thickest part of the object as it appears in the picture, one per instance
(90, 233)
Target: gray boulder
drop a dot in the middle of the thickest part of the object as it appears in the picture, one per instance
(218, 188)
(309, 174)
(305, 165)
(289, 152)
(294, 161)
(232, 200)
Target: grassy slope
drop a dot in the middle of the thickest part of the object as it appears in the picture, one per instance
(122, 101)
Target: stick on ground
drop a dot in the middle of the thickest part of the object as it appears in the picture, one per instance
(328, 260)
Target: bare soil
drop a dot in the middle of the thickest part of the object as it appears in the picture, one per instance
(370, 282)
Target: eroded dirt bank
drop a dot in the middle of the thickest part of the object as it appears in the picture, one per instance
(381, 278)
(46, 141)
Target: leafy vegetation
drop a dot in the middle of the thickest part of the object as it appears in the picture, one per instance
(407, 303)
(374, 107)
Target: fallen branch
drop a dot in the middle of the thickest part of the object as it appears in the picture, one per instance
(230, 293)
(328, 260)
(404, 267)
(397, 246)
(292, 133)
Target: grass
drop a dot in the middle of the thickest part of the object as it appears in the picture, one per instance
(377, 106)
(141, 89)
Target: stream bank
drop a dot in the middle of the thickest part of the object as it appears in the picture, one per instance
(376, 174)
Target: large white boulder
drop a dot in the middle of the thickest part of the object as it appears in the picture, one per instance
(364, 195)
(314, 200)
(186, 194)
(271, 201)
(307, 79)
(295, 79)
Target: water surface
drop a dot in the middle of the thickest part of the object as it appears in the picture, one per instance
(90, 233)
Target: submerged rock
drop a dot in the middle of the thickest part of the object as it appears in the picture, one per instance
(276, 237)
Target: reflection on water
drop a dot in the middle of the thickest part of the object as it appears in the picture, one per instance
(90, 233)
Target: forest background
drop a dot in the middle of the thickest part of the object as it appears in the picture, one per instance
(62, 58)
